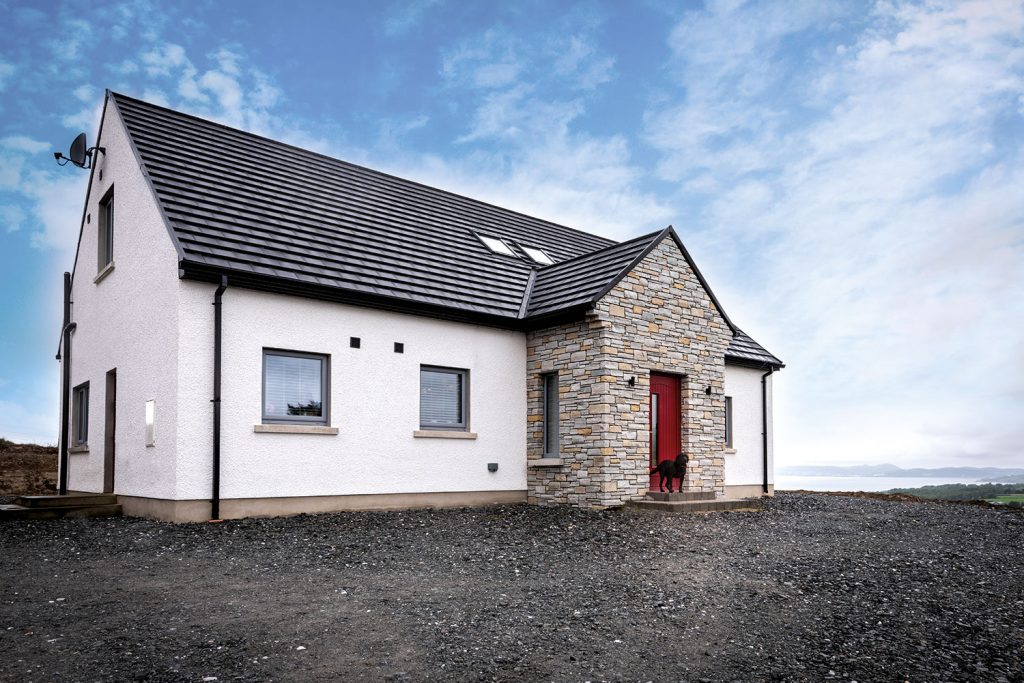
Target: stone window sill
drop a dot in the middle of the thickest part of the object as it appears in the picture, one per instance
(107, 270)
(81, 448)
(544, 462)
(729, 451)
(442, 434)
(293, 429)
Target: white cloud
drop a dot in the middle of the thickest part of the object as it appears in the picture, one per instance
(11, 217)
(864, 215)
(162, 60)
(125, 68)
(22, 143)
(57, 200)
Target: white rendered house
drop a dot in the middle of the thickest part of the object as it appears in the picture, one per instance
(253, 328)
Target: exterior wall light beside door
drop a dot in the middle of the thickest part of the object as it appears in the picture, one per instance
(632, 381)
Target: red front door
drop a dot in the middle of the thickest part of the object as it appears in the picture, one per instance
(664, 421)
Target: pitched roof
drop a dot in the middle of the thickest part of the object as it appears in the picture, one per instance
(279, 218)
(240, 203)
(581, 281)
(745, 351)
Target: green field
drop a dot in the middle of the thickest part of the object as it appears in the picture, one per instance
(1014, 498)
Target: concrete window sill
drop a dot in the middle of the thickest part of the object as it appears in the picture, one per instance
(729, 451)
(294, 429)
(83, 448)
(544, 462)
(442, 434)
(107, 270)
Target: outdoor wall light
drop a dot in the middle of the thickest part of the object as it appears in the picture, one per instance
(632, 381)
(492, 467)
(708, 390)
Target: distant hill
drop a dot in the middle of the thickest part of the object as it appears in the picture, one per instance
(1002, 474)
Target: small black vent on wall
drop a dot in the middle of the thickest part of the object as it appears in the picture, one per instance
(353, 342)
(399, 347)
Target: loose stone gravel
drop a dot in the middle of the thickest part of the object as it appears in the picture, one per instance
(813, 588)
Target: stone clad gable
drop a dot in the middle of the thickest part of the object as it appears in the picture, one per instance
(658, 318)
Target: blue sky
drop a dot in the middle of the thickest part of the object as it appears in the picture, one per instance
(849, 176)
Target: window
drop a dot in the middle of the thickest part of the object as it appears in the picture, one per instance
(443, 398)
(106, 231)
(537, 255)
(295, 387)
(550, 414)
(728, 421)
(80, 415)
(150, 422)
(497, 246)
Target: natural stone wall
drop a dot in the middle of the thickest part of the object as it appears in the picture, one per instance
(659, 318)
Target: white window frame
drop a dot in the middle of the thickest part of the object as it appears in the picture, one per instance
(497, 245)
(537, 255)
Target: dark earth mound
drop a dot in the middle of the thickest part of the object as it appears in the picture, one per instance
(815, 587)
(27, 468)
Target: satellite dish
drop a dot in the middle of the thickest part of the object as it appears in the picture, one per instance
(79, 153)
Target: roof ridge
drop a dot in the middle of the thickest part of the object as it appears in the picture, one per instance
(553, 266)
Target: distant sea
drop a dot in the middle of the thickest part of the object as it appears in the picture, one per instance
(788, 482)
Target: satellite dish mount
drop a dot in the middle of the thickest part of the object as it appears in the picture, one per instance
(80, 154)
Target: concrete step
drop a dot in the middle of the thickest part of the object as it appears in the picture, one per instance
(718, 505)
(10, 512)
(681, 495)
(71, 499)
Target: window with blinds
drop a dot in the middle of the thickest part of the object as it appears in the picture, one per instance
(550, 414)
(443, 393)
(295, 387)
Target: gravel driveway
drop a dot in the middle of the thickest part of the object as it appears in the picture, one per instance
(814, 588)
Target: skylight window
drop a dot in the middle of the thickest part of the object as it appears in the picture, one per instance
(537, 255)
(497, 246)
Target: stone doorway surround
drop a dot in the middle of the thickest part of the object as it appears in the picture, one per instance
(658, 318)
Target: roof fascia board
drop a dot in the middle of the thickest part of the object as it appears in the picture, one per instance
(149, 183)
(689, 260)
(655, 241)
(88, 190)
(703, 282)
(748, 363)
(263, 283)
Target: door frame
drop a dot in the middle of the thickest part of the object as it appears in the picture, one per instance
(678, 380)
(109, 430)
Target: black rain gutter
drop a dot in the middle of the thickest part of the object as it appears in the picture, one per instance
(764, 424)
(65, 382)
(215, 500)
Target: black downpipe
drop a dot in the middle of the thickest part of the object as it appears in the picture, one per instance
(764, 425)
(65, 391)
(215, 502)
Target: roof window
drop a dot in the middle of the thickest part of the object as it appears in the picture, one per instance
(497, 246)
(537, 255)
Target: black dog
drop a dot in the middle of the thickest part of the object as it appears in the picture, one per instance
(671, 469)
